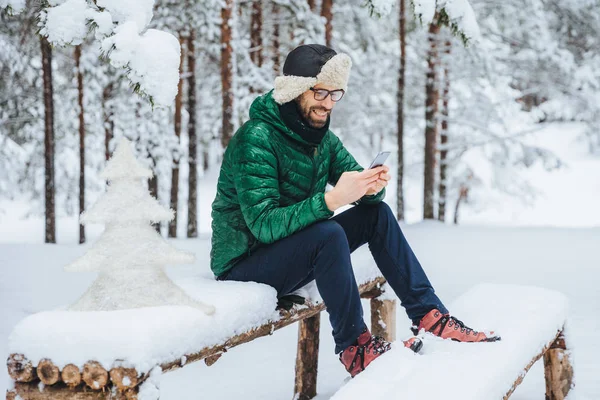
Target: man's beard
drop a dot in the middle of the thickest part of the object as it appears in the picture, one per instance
(307, 114)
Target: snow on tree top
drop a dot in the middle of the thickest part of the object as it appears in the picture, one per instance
(124, 165)
(129, 247)
(126, 201)
(139, 11)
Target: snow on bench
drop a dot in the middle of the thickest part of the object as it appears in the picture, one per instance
(530, 321)
(127, 350)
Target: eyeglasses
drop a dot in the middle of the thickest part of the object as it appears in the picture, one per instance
(321, 94)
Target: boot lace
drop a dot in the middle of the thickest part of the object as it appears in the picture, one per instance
(451, 322)
(379, 345)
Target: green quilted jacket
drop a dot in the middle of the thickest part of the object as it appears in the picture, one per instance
(272, 184)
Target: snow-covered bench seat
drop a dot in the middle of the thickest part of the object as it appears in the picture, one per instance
(530, 321)
(89, 355)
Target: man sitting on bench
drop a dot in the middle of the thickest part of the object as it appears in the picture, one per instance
(272, 218)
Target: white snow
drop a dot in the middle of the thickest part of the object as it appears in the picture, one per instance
(150, 56)
(456, 258)
(130, 254)
(145, 337)
(16, 5)
(139, 11)
(65, 23)
(383, 7)
(561, 253)
(528, 318)
(153, 58)
(460, 13)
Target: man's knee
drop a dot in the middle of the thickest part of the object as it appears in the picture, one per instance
(331, 232)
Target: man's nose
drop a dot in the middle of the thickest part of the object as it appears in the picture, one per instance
(328, 103)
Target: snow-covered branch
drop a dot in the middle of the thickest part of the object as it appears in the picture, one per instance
(150, 57)
(458, 15)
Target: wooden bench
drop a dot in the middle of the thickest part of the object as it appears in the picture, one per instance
(95, 381)
(530, 321)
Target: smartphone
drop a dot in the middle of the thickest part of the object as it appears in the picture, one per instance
(379, 159)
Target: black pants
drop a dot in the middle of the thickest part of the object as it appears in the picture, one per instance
(322, 252)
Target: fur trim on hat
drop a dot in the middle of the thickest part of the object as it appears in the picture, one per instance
(335, 72)
(287, 88)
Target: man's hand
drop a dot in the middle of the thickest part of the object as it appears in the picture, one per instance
(352, 186)
(382, 182)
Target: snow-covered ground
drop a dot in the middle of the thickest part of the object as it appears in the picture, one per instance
(559, 250)
(456, 258)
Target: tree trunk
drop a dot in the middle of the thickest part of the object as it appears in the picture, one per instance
(192, 224)
(226, 73)
(327, 12)
(175, 170)
(444, 137)
(153, 187)
(463, 193)
(107, 117)
(383, 318)
(558, 370)
(276, 55)
(431, 109)
(50, 216)
(307, 358)
(256, 33)
(311, 5)
(81, 141)
(400, 102)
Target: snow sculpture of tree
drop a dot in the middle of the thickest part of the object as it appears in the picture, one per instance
(130, 254)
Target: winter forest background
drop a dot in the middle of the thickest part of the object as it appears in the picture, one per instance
(466, 117)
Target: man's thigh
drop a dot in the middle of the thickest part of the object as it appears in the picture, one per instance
(286, 264)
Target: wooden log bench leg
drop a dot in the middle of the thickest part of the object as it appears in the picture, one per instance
(307, 359)
(558, 370)
(383, 318)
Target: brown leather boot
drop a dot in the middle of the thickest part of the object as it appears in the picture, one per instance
(449, 327)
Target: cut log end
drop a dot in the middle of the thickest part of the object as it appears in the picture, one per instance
(48, 373)
(71, 375)
(124, 378)
(94, 375)
(20, 368)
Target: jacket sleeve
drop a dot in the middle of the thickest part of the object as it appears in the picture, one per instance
(342, 161)
(257, 185)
